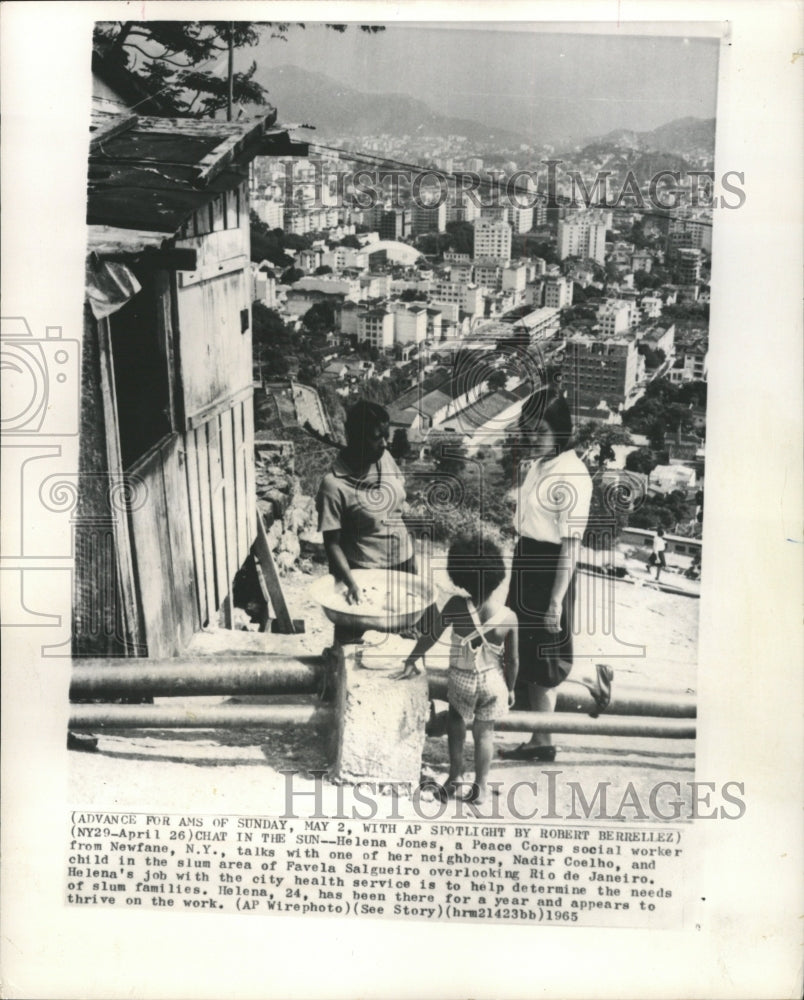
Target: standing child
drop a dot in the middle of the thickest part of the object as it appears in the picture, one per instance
(483, 660)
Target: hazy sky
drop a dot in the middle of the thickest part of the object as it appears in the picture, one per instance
(548, 85)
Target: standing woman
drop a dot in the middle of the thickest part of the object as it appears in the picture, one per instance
(552, 510)
(360, 503)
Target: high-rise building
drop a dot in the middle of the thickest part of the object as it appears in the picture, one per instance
(410, 322)
(688, 263)
(488, 274)
(393, 224)
(695, 232)
(514, 277)
(467, 296)
(600, 369)
(558, 292)
(375, 325)
(521, 219)
(270, 211)
(583, 234)
(617, 316)
(428, 219)
(468, 209)
(492, 239)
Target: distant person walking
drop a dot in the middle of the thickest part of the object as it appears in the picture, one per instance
(657, 555)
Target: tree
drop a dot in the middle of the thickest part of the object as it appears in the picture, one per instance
(692, 393)
(180, 61)
(271, 341)
(462, 237)
(323, 269)
(412, 295)
(609, 511)
(448, 452)
(530, 245)
(669, 512)
(291, 276)
(268, 244)
(604, 437)
(350, 241)
(307, 372)
(642, 460)
(268, 328)
(654, 356)
(319, 318)
(497, 380)
(434, 244)
(691, 313)
(645, 281)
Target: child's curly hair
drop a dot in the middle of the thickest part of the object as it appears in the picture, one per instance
(475, 565)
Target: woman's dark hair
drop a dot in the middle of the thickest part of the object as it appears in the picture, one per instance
(476, 566)
(549, 406)
(361, 419)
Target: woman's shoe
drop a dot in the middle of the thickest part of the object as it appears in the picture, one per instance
(530, 751)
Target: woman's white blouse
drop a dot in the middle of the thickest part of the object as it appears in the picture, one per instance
(553, 500)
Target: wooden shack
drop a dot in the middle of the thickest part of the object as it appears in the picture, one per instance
(166, 505)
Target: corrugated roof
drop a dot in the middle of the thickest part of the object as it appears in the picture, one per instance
(151, 174)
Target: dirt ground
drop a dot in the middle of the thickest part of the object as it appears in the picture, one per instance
(648, 636)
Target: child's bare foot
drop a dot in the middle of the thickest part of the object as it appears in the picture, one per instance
(479, 794)
(450, 788)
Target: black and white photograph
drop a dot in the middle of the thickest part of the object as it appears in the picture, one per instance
(380, 530)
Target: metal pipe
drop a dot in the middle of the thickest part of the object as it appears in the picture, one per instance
(96, 717)
(248, 674)
(624, 701)
(609, 725)
(273, 674)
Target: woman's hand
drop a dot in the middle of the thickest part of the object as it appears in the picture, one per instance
(511, 698)
(409, 670)
(353, 593)
(552, 617)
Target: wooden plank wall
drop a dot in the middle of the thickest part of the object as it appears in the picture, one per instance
(214, 310)
(163, 550)
(196, 527)
(220, 486)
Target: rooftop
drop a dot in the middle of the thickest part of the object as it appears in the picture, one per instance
(151, 174)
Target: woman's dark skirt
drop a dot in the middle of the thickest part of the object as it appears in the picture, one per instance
(545, 658)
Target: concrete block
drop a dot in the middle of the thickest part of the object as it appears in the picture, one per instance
(379, 734)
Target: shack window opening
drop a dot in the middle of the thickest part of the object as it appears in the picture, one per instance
(141, 374)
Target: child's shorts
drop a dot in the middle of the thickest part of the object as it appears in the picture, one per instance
(477, 695)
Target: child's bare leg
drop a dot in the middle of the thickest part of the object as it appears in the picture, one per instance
(483, 733)
(456, 739)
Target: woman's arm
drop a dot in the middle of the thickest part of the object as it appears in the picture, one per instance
(511, 661)
(338, 565)
(567, 561)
